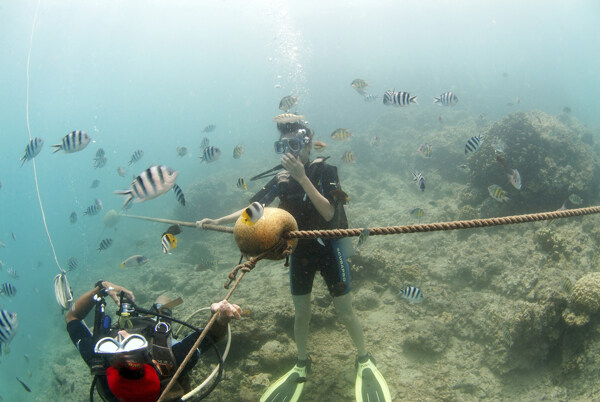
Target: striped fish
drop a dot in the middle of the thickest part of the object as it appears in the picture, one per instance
(348, 157)
(105, 244)
(32, 149)
(497, 193)
(11, 272)
(412, 294)
(99, 162)
(100, 153)
(425, 150)
(362, 238)
(473, 143)
(287, 102)
(94, 209)
(8, 289)
(370, 98)
(446, 99)
(8, 328)
(136, 156)
(205, 142)
(73, 217)
(288, 118)
(241, 184)
(341, 134)
(122, 172)
(398, 98)
(72, 264)
(419, 179)
(209, 128)
(418, 212)
(151, 183)
(179, 194)
(168, 242)
(238, 151)
(75, 141)
(253, 213)
(359, 85)
(210, 154)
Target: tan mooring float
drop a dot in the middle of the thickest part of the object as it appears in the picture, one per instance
(264, 234)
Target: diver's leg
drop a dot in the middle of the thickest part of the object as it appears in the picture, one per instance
(301, 323)
(345, 313)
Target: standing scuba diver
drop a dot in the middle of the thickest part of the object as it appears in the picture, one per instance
(134, 360)
(310, 192)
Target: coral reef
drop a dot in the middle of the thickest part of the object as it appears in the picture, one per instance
(585, 300)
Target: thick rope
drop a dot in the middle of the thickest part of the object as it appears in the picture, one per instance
(440, 226)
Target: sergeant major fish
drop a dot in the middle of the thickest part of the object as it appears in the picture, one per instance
(179, 194)
(238, 151)
(362, 238)
(348, 157)
(75, 141)
(210, 154)
(425, 150)
(287, 102)
(8, 328)
(419, 179)
(341, 134)
(497, 193)
(135, 157)
(399, 98)
(151, 183)
(8, 289)
(73, 217)
(32, 149)
(181, 151)
(411, 293)
(446, 99)
(359, 85)
(105, 244)
(209, 128)
(473, 143)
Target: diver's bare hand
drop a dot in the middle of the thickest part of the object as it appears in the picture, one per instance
(200, 223)
(114, 291)
(225, 311)
(294, 166)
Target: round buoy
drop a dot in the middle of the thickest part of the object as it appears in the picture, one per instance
(264, 234)
(111, 218)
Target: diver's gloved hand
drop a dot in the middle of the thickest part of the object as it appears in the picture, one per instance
(200, 223)
(225, 311)
(114, 291)
(294, 166)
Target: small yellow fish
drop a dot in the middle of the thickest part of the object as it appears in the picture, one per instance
(348, 157)
(341, 134)
(253, 213)
(319, 145)
(169, 242)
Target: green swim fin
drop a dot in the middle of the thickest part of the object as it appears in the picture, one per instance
(370, 384)
(289, 387)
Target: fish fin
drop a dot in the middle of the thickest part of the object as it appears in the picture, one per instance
(122, 265)
(436, 100)
(58, 148)
(413, 99)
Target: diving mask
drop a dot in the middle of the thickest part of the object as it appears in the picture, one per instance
(292, 145)
(131, 343)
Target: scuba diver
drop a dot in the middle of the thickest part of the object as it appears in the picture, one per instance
(311, 193)
(136, 358)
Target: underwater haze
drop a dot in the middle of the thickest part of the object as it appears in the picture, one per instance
(154, 75)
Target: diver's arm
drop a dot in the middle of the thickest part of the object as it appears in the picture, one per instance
(85, 303)
(296, 169)
(220, 221)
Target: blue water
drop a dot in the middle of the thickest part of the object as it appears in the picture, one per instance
(151, 74)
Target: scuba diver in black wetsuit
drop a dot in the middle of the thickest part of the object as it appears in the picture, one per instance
(310, 191)
(135, 359)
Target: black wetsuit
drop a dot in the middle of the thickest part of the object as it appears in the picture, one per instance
(82, 338)
(310, 256)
